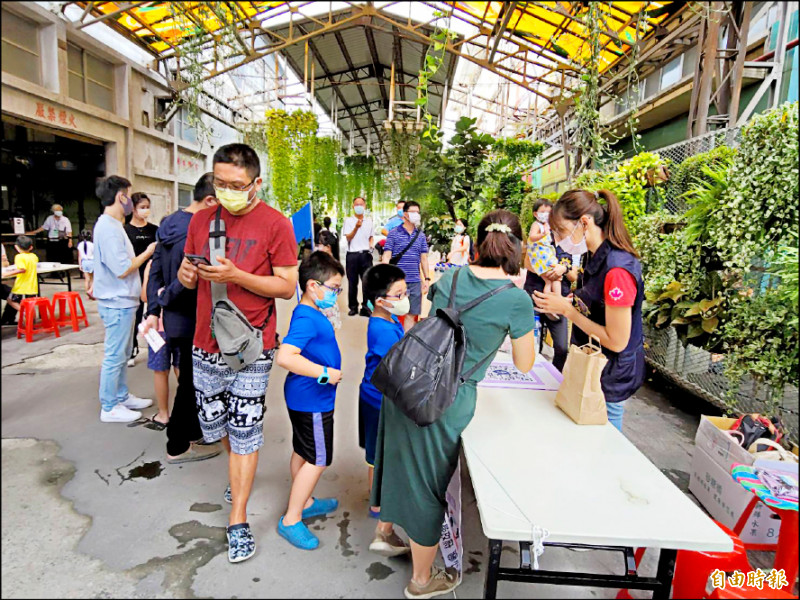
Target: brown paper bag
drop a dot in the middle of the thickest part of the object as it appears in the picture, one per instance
(580, 394)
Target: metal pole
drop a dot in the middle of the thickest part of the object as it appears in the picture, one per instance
(391, 95)
(738, 65)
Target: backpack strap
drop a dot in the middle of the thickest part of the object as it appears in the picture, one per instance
(404, 250)
(451, 303)
(216, 249)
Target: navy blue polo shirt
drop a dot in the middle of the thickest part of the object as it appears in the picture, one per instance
(397, 240)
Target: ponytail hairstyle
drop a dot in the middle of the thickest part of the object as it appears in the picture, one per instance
(603, 207)
(501, 245)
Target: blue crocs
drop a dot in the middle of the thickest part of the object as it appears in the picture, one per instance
(241, 544)
(374, 514)
(320, 506)
(298, 535)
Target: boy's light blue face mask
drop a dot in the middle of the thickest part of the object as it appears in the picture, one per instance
(328, 300)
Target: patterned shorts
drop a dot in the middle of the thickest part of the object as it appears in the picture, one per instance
(232, 403)
(542, 257)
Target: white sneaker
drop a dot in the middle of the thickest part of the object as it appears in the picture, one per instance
(131, 362)
(119, 414)
(136, 403)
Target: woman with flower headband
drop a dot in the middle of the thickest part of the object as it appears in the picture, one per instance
(414, 465)
(607, 302)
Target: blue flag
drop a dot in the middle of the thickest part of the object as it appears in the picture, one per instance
(303, 223)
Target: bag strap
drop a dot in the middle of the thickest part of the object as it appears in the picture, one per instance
(216, 249)
(411, 243)
(465, 376)
(452, 301)
(782, 452)
(595, 348)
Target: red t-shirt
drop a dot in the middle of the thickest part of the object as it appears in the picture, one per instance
(619, 288)
(256, 242)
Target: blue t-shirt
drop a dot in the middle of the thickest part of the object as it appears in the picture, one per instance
(381, 336)
(311, 331)
(396, 242)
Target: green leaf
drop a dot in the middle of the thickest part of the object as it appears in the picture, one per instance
(680, 321)
(695, 330)
(694, 310)
(709, 325)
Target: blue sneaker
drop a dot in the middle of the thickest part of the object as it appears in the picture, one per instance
(374, 514)
(241, 544)
(320, 506)
(298, 535)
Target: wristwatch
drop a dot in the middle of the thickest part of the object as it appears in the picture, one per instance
(324, 378)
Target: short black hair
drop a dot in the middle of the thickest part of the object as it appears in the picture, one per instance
(540, 203)
(319, 266)
(204, 187)
(326, 239)
(108, 187)
(138, 198)
(326, 222)
(86, 235)
(401, 201)
(24, 242)
(464, 221)
(410, 204)
(239, 155)
(379, 279)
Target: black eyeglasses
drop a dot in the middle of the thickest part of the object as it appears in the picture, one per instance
(226, 186)
(336, 291)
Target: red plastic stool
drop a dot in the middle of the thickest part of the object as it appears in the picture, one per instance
(692, 569)
(60, 301)
(28, 325)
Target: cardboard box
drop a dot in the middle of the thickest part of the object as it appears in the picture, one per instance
(721, 447)
(725, 500)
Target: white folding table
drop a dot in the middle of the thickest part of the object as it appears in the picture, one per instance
(587, 485)
(46, 268)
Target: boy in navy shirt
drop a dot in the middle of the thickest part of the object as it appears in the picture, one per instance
(385, 287)
(311, 355)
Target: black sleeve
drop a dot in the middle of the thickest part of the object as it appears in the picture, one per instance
(155, 282)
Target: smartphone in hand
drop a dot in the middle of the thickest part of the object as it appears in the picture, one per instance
(198, 259)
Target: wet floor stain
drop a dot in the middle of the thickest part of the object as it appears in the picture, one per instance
(317, 528)
(378, 571)
(317, 519)
(476, 552)
(181, 568)
(474, 566)
(205, 507)
(256, 579)
(148, 470)
(344, 534)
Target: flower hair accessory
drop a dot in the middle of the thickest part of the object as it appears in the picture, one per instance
(501, 227)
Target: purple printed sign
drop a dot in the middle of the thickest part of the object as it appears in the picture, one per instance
(503, 374)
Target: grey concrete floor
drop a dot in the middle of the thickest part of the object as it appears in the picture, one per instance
(93, 510)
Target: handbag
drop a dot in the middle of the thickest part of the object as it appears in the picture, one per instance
(779, 453)
(581, 395)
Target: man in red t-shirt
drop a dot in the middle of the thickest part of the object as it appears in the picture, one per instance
(260, 264)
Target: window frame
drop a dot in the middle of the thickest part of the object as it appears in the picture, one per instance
(37, 55)
(679, 59)
(86, 79)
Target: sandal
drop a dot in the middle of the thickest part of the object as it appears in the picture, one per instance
(156, 425)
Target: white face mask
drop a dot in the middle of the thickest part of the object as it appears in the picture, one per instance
(543, 217)
(144, 213)
(399, 307)
(57, 213)
(570, 247)
(359, 210)
(459, 229)
(414, 218)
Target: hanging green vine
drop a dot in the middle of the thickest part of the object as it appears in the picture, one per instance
(434, 58)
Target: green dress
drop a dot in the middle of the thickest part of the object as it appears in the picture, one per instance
(414, 465)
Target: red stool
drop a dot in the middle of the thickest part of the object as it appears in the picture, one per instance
(692, 569)
(28, 325)
(60, 300)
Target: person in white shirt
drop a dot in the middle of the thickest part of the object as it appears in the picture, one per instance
(358, 232)
(86, 260)
(459, 248)
(59, 236)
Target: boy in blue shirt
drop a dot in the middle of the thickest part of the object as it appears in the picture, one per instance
(387, 293)
(311, 355)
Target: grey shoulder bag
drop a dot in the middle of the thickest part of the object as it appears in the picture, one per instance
(240, 343)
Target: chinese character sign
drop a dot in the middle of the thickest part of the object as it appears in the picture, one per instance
(49, 112)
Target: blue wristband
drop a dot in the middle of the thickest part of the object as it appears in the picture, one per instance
(324, 378)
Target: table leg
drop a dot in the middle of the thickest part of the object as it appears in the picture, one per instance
(69, 280)
(666, 569)
(786, 553)
(490, 586)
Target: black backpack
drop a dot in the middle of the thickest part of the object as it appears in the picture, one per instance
(421, 373)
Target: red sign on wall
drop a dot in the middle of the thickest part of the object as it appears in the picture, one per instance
(49, 113)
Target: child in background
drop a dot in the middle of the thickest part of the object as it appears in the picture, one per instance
(159, 363)
(541, 251)
(311, 355)
(86, 260)
(26, 285)
(325, 243)
(387, 294)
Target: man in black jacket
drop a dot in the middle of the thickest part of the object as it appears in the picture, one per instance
(179, 306)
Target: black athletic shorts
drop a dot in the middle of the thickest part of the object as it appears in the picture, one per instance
(312, 436)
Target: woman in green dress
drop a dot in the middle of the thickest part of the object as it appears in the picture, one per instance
(414, 465)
